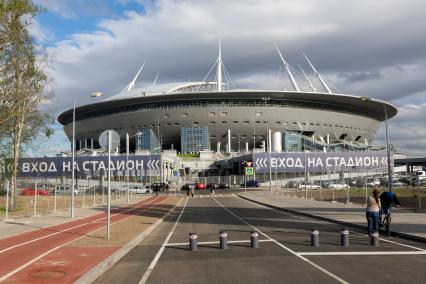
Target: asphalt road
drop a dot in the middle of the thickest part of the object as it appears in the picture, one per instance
(284, 254)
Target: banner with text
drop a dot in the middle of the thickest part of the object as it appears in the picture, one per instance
(319, 161)
(148, 165)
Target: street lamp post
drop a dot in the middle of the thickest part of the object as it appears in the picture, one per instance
(387, 141)
(93, 95)
(269, 147)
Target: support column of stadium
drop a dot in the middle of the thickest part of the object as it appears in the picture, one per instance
(387, 141)
(229, 141)
(265, 100)
(72, 207)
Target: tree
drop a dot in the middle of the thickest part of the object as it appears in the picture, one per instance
(22, 82)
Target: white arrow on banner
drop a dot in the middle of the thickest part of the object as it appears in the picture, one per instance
(149, 164)
(156, 164)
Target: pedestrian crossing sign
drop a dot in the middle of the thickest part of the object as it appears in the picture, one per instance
(249, 171)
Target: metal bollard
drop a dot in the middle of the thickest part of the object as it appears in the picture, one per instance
(374, 239)
(223, 240)
(193, 241)
(254, 239)
(314, 238)
(344, 237)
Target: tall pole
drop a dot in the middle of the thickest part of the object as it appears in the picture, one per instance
(72, 163)
(127, 159)
(109, 187)
(7, 200)
(388, 151)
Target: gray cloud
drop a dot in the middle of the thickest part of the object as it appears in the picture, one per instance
(371, 48)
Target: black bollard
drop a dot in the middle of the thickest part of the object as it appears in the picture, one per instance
(254, 239)
(314, 238)
(223, 239)
(344, 237)
(374, 239)
(193, 241)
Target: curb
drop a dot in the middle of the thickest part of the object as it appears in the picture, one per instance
(361, 227)
(110, 261)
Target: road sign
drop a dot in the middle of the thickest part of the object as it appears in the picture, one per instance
(175, 173)
(249, 171)
(103, 139)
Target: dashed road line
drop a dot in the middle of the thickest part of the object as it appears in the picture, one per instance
(337, 253)
(214, 243)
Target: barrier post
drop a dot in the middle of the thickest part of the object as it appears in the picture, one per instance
(254, 239)
(374, 239)
(223, 239)
(314, 238)
(344, 237)
(193, 241)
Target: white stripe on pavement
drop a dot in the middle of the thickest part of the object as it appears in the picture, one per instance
(214, 242)
(163, 246)
(337, 253)
(284, 247)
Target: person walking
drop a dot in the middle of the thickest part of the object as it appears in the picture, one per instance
(192, 190)
(372, 212)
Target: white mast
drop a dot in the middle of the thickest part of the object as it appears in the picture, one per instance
(155, 80)
(131, 85)
(219, 71)
(318, 75)
(287, 68)
(307, 79)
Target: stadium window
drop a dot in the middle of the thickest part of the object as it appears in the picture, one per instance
(235, 121)
(195, 122)
(246, 122)
(213, 137)
(168, 124)
(259, 113)
(212, 122)
(185, 114)
(176, 123)
(278, 122)
(233, 136)
(166, 116)
(224, 113)
(224, 122)
(212, 113)
(244, 136)
(257, 121)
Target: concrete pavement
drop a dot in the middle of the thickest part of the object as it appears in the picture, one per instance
(404, 222)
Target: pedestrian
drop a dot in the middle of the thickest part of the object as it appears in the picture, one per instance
(373, 211)
(187, 190)
(192, 190)
(212, 190)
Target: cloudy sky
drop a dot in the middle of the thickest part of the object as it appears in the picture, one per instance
(362, 47)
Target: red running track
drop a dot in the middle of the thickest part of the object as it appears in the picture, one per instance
(17, 252)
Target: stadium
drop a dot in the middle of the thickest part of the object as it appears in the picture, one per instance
(192, 117)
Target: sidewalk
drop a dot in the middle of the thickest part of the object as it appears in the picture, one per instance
(78, 251)
(13, 227)
(405, 224)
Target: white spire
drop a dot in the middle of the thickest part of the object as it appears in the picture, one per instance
(155, 80)
(131, 85)
(318, 75)
(219, 71)
(287, 68)
(307, 79)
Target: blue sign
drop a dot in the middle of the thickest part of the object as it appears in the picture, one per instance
(319, 161)
(149, 165)
(175, 173)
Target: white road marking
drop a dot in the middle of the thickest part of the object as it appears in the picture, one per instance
(62, 231)
(337, 253)
(213, 243)
(163, 246)
(284, 247)
(4, 277)
(331, 226)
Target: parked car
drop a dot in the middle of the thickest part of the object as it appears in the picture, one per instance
(308, 185)
(200, 186)
(140, 190)
(188, 186)
(212, 185)
(338, 185)
(223, 186)
(31, 192)
(398, 183)
(250, 183)
(159, 186)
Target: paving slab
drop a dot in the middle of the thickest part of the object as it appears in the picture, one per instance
(403, 221)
